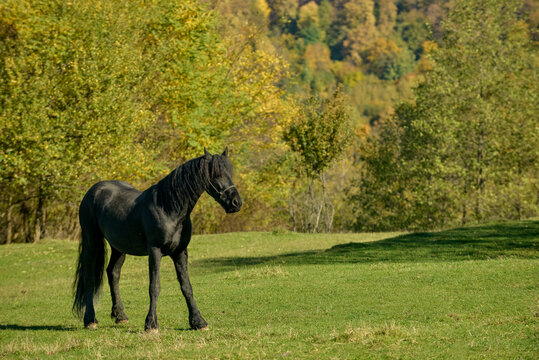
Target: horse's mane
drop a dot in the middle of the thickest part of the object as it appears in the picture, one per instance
(183, 186)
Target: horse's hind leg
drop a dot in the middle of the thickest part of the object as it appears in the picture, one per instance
(113, 273)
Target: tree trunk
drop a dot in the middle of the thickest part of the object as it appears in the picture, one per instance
(318, 214)
(481, 150)
(9, 234)
(44, 220)
(25, 214)
(310, 209)
(316, 209)
(38, 226)
(518, 205)
(292, 212)
(329, 213)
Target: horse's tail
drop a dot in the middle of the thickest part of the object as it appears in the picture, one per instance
(91, 262)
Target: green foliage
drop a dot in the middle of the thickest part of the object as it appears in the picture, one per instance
(317, 138)
(414, 31)
(123, 90)
(320, 134)
(451, 156)
(389, 61)
(69, 112)
(66, 94)
(325, 15)
(129, 89)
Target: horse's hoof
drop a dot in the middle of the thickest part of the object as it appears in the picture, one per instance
(91, 326)
(122, 321)
(205, 328)
(152, 331)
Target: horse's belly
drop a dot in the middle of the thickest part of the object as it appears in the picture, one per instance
(123, 233)
(126, 240)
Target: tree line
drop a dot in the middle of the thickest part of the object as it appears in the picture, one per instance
(123, 90)
(465, 151)
(341, 115)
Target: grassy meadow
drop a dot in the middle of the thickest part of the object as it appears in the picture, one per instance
(469, 293)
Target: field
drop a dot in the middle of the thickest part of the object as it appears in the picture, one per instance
(468, 293)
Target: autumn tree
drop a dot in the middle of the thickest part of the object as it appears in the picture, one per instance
(68, 112)
(466, 150)
(283, 12)
(360, 28)
(387, 16)
(485, 77)
(388, 61)
(318, 137)
(123, 90)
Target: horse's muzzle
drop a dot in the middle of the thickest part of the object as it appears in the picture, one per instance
(235, 205)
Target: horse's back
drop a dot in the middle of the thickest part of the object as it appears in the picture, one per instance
(111, 207)
(110, 194)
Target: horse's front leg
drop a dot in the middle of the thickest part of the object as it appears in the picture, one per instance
(154, 261)
(196, 321)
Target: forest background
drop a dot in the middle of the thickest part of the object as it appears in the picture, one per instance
(344, 115)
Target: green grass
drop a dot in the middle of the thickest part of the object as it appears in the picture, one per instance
(468, 293)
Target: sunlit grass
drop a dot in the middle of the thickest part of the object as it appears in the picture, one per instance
(463, 293)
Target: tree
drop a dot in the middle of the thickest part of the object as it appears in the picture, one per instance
(487, 61)
(325, 15)
(124, 90)
(387, 17)
(68, 112)
(360, 25)
(318, 137)
(388, 61)
(309, 23)
(283, 12)
(255, 107)
(414, 31)
(466, 149)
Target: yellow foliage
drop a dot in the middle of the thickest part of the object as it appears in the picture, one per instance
(262, 7)
(429, 46)
(308, 14)
(424, 65)
(382, 47)
(317, 56)
(346, 73)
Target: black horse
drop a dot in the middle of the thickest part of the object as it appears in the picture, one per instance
(154, 222)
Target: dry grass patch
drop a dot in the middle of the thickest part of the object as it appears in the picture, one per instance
(373, 334)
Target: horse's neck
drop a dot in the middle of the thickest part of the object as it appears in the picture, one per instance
(182, 188)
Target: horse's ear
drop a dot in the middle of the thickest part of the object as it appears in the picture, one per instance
(207, 154)
(225, 153)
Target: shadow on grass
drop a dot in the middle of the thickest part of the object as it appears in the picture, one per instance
(35, 327)
(515, 239)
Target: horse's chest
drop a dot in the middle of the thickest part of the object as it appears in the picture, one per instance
(172, 239)
(165, 231)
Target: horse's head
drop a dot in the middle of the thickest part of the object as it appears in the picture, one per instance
(220, 185)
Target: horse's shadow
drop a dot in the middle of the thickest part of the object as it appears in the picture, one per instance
(17, 327)
(520, 240)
